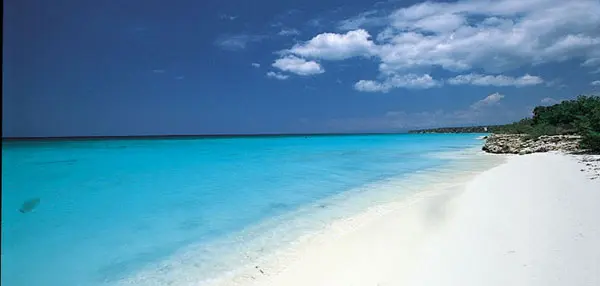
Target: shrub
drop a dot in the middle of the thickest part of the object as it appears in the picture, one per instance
(581, 116)
(524, 126)
(591, 141)
(542, 129)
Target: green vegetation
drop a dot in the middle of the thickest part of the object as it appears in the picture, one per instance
(580, 116)
(524, 126)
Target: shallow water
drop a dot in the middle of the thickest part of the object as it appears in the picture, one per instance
(116, 209)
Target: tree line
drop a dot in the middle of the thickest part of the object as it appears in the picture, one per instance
(579, 116)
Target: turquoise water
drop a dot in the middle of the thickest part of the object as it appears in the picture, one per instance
(110, 209)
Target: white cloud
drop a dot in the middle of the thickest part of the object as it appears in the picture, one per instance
(289, 32)
(497, 80)
(490, 100)
(371, 86)
(591, 62)
(256, 65)
(511, 34)
(412, 81)
(595, 83)
(298, 66)
(362, 20)
(237, 42)
(549, 101)
(331, 46)
(277, 75)
(441, 22)
(158, 71)
(494, 36)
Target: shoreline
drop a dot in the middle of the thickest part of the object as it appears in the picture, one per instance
(447, 183)
(455, 232)
(424, 186)
(313, 225)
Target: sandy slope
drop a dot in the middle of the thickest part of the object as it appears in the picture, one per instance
(534, 220)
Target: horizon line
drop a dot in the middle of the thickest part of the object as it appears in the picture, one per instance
(232, 135)
(100, 137)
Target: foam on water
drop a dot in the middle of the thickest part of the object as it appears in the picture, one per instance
(177, 212)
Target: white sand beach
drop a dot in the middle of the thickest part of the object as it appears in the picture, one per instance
(533, 220)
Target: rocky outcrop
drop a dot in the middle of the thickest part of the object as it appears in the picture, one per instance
(503, 144)
(590, 166)
(522, 144)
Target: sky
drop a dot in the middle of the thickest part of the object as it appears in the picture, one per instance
(149, 67)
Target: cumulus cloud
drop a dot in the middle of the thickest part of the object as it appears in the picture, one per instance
(595, 83)
(411, 81)
(277, 75)
(256, 65)
(494, 36)
(498, 80)
(331, 46)
(510, 34)
(298, 66)
(237, 42)
(371, 86)
(490, 100)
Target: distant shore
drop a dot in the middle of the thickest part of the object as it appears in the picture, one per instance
(468, 129)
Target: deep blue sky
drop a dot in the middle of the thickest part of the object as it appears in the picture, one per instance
(84, 68)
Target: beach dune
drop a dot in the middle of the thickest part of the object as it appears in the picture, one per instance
(530, 221)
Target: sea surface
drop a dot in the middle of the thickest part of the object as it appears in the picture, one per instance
(188, 211)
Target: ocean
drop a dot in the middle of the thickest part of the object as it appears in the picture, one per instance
(192, 211)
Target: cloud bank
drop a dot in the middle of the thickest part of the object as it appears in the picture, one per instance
(490, 36)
